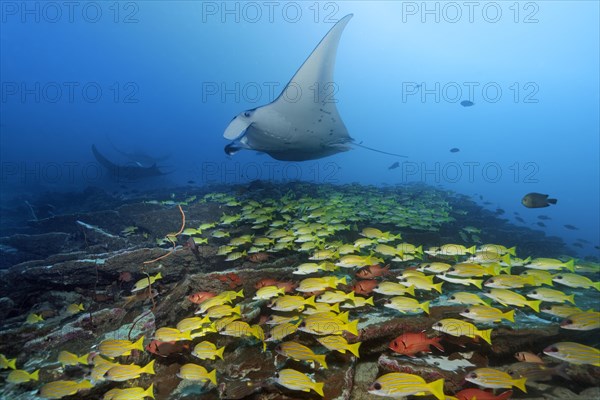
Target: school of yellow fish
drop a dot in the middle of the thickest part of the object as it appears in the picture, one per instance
(312, 312)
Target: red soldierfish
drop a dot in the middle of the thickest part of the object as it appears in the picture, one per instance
(199, 297)
(259, 257)
(288, 286)
(365, 287)
(165, 349)
(125, 276)
(470, 394)
(410, 344)
(372, 271)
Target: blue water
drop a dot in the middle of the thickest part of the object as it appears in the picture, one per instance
(167, 77)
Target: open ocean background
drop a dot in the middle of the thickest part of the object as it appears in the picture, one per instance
(166, 78)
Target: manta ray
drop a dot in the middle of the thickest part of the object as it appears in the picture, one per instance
(303, 123)
(126, 172)
(140, 158)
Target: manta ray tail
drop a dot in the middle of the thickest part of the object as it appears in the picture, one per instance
(379, 151)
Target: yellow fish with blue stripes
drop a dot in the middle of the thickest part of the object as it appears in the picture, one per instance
(574, 353)
(328, 324)
(67, 358)
(21, 376)
(145, 282)
(466, 298)
(582, 321)
(279, 332)
(318, 284)
(398, 384)
(134, 393)
(495, 379)
(551, 295)
(550, 264)
(193, 372)
(192, 323)
(60, 389)
(5, 363)
(300, 352)
(457, 327)
(166, 334)
(295, 380)
(487, 314)
(207, 350)
(34, 319)
(576, 281)
(101, 365)
(73, 309)
(125, 372)
(292, 303)
(268, 292)
(508, 297)
(339, 343)
(406, 304)
(117, 347)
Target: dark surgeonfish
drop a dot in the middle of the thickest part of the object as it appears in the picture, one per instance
(466, 103)
(394, 165)
(303, 123)
(454, 150)
(126, 172)
(535, 372)
(537, 200)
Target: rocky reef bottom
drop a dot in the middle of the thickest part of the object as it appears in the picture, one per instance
(92, 259)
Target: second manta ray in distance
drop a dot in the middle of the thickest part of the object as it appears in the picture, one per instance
(299, 127)
(140, 158)
(126, 172)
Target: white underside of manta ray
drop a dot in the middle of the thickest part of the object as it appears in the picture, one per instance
(303, 123)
